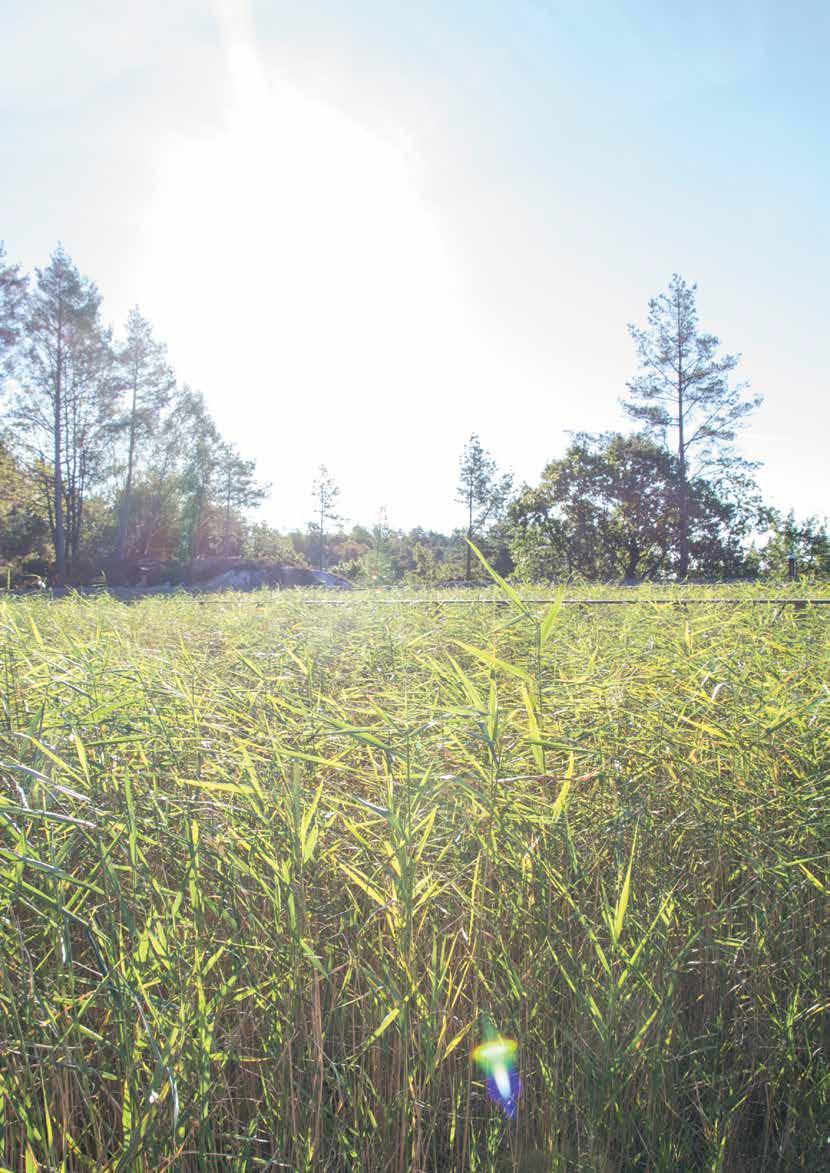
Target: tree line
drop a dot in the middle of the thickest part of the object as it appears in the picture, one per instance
(103, 454)
(105, 458)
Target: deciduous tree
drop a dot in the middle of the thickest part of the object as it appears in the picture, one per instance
(806, 541)
(23, 526)
(192, 428)
(610, 508)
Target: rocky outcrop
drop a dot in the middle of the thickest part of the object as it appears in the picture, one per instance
(203, 576)
(275, 577)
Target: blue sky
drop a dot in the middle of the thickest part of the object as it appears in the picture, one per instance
(368, 229)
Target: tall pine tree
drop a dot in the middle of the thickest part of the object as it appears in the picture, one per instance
(148, 382)
(12, 303)
(64, 411)
(683, 395)
(237, 487)
(325, 492)
(482, 492)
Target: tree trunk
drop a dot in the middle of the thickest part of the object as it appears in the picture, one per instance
(322, 546)
(468, 573)
(124, 513)
(683, 536)
(633, 560)
(76, 532)
(226, 536)
(197, 517)
(60, 536)
(683, 568)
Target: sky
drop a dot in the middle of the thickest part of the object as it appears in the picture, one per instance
(367, 229)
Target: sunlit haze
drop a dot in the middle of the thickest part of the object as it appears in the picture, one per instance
(366, 230)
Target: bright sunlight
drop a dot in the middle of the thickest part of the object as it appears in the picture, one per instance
(323, 231)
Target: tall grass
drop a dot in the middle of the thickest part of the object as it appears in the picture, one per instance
(264, 866)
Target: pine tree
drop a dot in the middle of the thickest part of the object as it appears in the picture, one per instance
(12, 303)
(64, 413)
(238, 488)
(325, 492)
(481, 490)
(684, 388)
(148, 381)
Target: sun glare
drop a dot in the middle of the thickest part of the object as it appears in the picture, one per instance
(302, 255)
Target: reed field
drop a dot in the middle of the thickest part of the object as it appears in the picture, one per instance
(268, 862)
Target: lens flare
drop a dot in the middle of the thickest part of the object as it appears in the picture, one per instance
(497, 1058)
